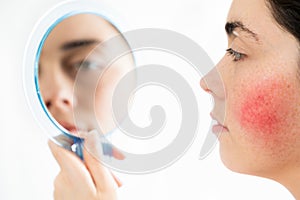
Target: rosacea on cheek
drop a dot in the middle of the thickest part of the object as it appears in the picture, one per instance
(266, 107)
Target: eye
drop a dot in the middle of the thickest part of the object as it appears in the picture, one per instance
(237, 56)
(85, 66)
(88, 65)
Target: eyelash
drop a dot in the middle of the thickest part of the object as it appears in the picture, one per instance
(86, 63)
(237, 56)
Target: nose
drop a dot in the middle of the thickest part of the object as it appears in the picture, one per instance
(212, 83)
(57, 92)
(204, 85)
(59, 100)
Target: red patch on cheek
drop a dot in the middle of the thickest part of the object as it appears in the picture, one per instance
(264, 108)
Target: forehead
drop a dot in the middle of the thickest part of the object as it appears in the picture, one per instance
(256, 16)
(249, 8)
(81, 26)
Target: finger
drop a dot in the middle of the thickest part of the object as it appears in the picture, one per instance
(74, 178)
(117, 154)
(117, 180)
(92, 153)
(64, 158)
(98, 145)
(58, 187)
(102, 177)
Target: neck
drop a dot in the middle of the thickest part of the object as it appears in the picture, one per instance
(291, 180)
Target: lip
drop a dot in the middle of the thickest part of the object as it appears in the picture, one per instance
(71, 128)
(218, 128)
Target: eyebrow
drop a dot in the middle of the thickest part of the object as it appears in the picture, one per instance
(78, 43)
(230, 27)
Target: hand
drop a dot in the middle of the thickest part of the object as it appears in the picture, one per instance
(82, 181)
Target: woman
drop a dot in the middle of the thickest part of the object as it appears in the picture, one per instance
(260, 132)
(66, 53)
(259, 135)
(72, 58)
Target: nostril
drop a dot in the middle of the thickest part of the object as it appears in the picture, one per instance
(48, 104)
(66, 102)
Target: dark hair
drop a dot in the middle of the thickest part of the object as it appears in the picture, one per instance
(287, 15)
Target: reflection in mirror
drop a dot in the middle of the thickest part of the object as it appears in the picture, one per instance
(76, 45)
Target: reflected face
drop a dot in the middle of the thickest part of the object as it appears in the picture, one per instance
(256, 91)
(64, 53)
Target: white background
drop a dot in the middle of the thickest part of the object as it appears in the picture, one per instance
(27, 168)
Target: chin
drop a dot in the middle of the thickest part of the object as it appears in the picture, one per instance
(250, 167)
(241, 164)
(230, 163)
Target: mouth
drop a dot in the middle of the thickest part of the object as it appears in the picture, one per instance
(218, 127)
(71, 128)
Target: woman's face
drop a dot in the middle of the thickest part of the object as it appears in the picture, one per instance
(256, 91)
(64, 51)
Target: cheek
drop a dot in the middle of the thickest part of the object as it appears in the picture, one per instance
(103, 100)
(265, 109)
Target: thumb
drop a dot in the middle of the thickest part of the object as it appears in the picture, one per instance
(66, 160)
(76, 177)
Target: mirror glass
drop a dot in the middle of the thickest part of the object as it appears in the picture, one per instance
(78, 71)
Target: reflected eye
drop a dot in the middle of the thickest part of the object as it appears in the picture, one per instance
(86, 72)
(237, 56)
(85, 66)
(88, 65)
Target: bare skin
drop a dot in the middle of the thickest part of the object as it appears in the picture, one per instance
(257, 96)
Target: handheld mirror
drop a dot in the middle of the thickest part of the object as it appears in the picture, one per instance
(70, 73)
